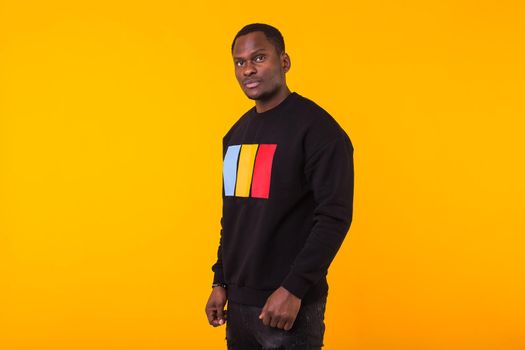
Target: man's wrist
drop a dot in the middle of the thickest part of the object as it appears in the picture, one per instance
(290, 293)
(219, 285)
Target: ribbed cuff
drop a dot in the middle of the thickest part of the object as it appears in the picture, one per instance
(218, 277)
(296, 285)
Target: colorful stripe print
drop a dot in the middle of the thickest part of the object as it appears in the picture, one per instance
(247, 170)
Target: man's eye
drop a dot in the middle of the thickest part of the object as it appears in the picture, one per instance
(259, 58)
(239, 63)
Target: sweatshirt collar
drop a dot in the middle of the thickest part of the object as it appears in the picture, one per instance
(277, 108)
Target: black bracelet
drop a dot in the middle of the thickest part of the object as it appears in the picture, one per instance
(219, 285)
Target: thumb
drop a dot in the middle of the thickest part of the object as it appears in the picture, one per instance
(263, 312)
(220, 315)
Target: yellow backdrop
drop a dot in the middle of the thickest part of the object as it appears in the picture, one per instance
(111, 120)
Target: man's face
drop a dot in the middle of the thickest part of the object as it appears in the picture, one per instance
(259, 69)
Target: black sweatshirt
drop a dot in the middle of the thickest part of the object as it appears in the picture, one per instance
(288, 186)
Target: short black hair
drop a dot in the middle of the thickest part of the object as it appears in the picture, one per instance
(272, 34)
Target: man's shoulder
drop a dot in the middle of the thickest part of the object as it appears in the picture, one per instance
(309, 105)
(319, 120)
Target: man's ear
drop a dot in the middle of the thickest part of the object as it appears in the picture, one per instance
(286, 62)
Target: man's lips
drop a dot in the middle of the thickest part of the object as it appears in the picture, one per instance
(250, 84)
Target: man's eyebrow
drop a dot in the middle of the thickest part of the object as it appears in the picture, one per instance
(251, 54)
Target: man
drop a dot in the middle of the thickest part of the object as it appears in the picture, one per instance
(288, 185)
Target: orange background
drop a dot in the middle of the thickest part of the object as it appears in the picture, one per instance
(111, 120)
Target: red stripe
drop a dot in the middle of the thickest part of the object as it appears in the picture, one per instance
(262, 171)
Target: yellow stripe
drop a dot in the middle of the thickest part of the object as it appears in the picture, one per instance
(245, 170)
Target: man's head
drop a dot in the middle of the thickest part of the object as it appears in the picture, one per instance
(260, 61)
(272, 34)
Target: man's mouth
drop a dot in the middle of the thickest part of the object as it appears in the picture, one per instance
(250, 84)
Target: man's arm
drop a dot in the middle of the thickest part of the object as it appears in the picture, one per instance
(217, 267)
(330, 172)
(215, 311)
(218, 276)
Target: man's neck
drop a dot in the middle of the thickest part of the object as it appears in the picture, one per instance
(263, 106)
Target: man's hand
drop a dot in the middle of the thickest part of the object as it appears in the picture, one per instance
(215, 307)
(281, 309)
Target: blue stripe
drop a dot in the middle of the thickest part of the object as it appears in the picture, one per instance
(229, 170)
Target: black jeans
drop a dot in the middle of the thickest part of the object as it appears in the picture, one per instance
(245, 331)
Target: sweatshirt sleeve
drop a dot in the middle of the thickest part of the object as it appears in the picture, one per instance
(218, 276)
(330, 172)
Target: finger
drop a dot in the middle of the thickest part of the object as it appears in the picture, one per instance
(289, 325)
(274, 321)
(263, 313)
(266, 319)
(264, 316)
(281, 323)
(213, 317)
(211, 314)
(220, 315)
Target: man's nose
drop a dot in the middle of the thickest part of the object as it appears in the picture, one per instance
(249, 69)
